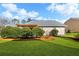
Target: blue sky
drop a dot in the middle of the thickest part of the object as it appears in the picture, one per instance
(40, 11)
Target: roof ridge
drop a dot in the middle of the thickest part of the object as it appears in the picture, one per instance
(46, 23)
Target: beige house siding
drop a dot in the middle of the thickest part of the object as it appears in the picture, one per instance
(61, 30)
(72, 25)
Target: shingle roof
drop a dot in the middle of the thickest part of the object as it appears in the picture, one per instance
(76, 20)
(46, 23)
(72, 24)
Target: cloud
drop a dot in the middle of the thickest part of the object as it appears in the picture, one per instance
(41, 18)
(64, 9)
(17, 17)
(51, 7)
(56, 7)
(27, 14)
(6, 14)
(33, 14)
(67, 10)
(22, 12)
(59, 7)
(76, 14)
(10, 7)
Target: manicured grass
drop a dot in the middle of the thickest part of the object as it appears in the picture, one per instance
(58, 47)
(66, 42)
(71, 34)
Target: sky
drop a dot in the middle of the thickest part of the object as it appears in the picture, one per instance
(40, 11)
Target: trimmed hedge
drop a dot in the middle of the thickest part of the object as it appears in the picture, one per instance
(10, 32)
(26, 32)
(37, 32)
(16, 32)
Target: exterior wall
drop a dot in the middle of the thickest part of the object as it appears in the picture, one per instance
(72, 25)
(61, 31)
(48, 29)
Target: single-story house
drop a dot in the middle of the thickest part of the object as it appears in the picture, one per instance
(46, 25)
(72, 25)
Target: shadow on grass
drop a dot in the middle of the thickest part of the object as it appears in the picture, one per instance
(27, 39)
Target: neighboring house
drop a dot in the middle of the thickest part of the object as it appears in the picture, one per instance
(72, 25)
(46, 25)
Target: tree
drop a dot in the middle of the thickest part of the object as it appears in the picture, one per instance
(23, 21)
(29, 19)
(3, 21)
(15, 21)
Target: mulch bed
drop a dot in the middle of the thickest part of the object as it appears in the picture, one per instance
(7, 39)
(35, 38)
(47, 38)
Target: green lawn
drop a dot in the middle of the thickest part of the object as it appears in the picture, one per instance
(71, 34)
(58, 47)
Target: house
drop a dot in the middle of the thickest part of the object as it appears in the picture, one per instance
(46, 25)
(72, 25)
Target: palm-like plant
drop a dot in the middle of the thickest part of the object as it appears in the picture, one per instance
(23, 21)
(15, 21)
(29, 19)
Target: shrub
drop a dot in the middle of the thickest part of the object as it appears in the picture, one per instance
(68, 31)
(14, 32)
(54, 32)
(17, 32)
(26, 32)
(0, 29)
(10, 32)
(37, 32)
